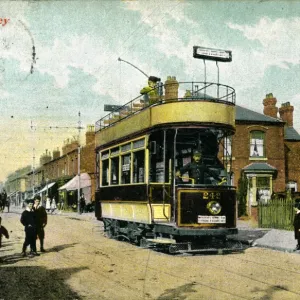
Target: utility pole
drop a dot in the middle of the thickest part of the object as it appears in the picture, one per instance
(78, 161)
(33, 159)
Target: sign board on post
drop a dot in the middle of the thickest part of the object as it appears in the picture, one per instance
(108, 107)
(212, 54)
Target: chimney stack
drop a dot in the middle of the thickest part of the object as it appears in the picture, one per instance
(171, 88)
(90, 135)
(270, 108)
(286, 113)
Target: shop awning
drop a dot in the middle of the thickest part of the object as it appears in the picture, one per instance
(12, 194)
(85, 181)
(46, 187)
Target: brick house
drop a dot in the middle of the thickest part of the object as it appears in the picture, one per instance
(266, 149)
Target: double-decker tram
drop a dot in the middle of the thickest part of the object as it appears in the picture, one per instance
(164, 168)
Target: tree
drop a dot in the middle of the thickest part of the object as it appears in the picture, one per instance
(242, 195)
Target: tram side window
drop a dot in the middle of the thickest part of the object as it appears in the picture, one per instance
(125, 169)
(114, 170)
(105, 173)
(138, 166)
(157, 167)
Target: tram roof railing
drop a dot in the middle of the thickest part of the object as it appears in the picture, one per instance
(173, 92)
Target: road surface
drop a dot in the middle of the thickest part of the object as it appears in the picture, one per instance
(81, 263)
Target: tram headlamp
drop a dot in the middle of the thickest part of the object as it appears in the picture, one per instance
(214, 207)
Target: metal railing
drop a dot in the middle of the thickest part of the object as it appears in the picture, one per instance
(175, 91)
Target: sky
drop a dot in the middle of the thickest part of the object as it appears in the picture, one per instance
(76, 68)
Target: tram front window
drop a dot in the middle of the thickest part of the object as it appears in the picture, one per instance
(197, 159)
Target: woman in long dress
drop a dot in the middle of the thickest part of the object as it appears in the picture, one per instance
(48, 204)
(53, 205)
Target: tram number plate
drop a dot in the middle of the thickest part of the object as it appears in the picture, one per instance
(212, 219)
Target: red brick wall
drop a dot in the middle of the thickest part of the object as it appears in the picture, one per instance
(293, 161)
(274, 144)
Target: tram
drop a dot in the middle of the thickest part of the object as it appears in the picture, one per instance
(140, 149)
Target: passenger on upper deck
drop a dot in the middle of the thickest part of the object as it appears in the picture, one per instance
(151, 91)
(197, 170)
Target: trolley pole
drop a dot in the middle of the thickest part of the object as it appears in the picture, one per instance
(33, 158)
(78, 188)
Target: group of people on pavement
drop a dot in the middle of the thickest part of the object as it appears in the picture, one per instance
(50, 204)
(34, 219)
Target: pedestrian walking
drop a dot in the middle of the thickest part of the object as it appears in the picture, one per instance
(3, 232)
(82, 203)
(28, 220)
(48, 204)
(53, 205)
(297, 224)
(61, 204)
(41, 221)
(5, 200)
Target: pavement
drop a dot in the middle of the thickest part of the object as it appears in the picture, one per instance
(250, 235)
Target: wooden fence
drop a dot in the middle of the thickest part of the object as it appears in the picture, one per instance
(278, 213)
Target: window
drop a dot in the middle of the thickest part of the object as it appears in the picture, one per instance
(292, 186)
(105, 173)
(227, 146)
(123, 164)
(138, 166)
(126, 168)
(257, 139)
(114, 170)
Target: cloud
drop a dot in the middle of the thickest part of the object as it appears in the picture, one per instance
(277, 39)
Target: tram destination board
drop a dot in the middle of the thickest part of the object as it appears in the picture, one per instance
(212, 54)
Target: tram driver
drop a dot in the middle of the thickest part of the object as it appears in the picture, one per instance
(197, 170)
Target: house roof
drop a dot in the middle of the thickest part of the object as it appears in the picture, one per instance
(260, 167)
(245, 114)
(291, 134)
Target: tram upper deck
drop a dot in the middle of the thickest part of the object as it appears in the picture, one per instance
(174, 103)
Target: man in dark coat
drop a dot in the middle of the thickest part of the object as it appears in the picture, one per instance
(41, 220)
(197, 170)
(82, 203)
(28, 220)
(297, 223)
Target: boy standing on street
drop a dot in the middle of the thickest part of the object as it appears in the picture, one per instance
(40, 220)
(28, 220)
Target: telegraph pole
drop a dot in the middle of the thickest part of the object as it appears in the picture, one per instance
(78, 188)
(33, 159)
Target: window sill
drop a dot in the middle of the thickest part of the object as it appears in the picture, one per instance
(258, 158)
(228, 157)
